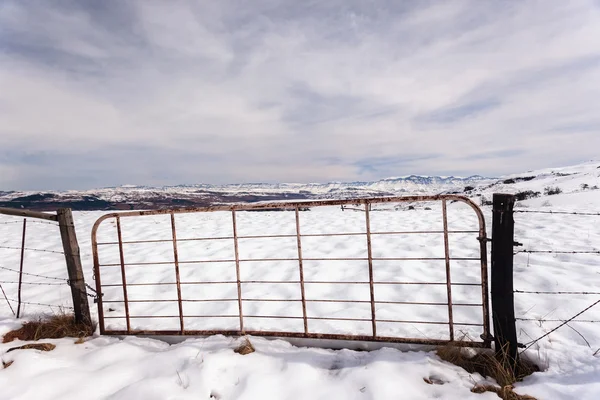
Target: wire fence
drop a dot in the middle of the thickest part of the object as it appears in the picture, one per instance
(19, 238)
(563, 322)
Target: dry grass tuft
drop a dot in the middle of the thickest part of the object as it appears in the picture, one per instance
(53, 327)
(245, 348)
(35, 346)
(6, 364)
(505, 393)
(489, 364)
(80, 340)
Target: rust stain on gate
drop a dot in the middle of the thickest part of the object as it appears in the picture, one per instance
(483, 341)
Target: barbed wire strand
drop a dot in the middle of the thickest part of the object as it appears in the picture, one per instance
(35, 221)
(7, 302)
(528, 345)
(40, 304)
(555, 320)
(30, 221)
(561, 292)
(36, 275)
(31, 249)
(556, 212)
(34, 283)
(557, 252)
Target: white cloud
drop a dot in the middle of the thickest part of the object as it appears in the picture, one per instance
(295, 91)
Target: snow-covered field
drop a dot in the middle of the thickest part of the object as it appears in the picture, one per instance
(106, 367)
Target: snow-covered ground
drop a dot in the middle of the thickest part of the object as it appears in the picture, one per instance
(106, 367)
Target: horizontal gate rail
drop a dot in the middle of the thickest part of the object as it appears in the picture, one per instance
(121, 267)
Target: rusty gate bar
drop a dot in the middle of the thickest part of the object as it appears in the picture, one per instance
(305, 333)
(98, 281)
(300, 335)
(301, 270)
(448, 277)
(307, 204)
(176, 260)
(123, 277)
(237, 270)
(286, 236)
(370, 259)
(487, 336)
(295, 259)
(297, 282)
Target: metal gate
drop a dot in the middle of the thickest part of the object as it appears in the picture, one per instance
(175, 281)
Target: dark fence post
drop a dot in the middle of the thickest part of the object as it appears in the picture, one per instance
(503, 310)
(21, 267)
(73, 259)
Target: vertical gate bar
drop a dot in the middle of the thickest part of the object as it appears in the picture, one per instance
(370, 257)
(237, 271)
(487, 337)
(21, 266)
(301, 268)
(98, 280)
(448, 278)
(177, 277)
(123, 277)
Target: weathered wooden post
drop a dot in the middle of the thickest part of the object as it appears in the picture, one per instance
(74, 267)
(503, 306)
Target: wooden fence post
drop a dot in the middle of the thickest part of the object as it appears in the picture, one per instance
(74, 267)
(503, 309)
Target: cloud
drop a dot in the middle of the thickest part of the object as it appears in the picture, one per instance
(151, 92)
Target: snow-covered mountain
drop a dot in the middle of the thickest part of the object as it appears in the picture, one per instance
(529, 185)
(131, 196)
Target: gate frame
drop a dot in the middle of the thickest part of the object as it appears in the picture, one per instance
(265, 206)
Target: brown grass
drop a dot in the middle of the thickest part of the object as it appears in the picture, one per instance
(52, 327)
(6, 364)
(501, 368)
(245, 348)
(505, 393)
(35, 346)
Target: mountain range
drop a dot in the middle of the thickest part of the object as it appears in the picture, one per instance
(146, 197)
(528, 185)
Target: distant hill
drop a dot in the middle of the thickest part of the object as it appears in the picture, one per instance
(144, 197)
(527, 186)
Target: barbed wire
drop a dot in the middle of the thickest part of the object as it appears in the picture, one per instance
(565, 322)
(560, 292)
(31, 249)
(555, 320)
(557, 252)
(33, 283)
(36, 221)
(556, 212)
(40, 304)
(31, 221)
(36, 275)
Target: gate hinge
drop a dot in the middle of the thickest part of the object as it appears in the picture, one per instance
(517, 244)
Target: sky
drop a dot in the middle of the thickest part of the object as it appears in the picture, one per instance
(106, 93)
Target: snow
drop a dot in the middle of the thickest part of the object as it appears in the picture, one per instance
(113, 368)
(134, 368)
